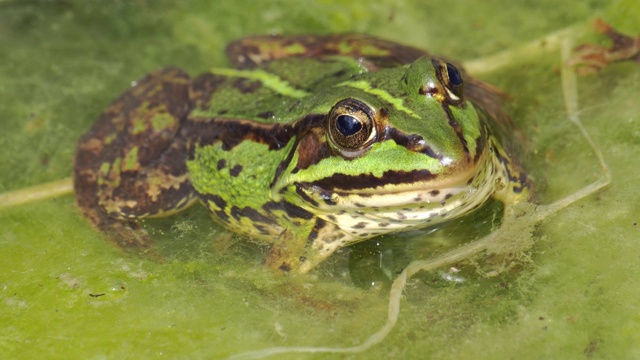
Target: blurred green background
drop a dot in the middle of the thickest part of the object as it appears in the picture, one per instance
(67, 293)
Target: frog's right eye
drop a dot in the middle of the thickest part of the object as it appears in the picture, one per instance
(352, 127)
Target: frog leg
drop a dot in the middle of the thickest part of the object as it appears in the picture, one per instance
(300, 248)
(593, 58)
(130, 164)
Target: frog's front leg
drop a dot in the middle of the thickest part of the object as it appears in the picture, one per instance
(302, 247)
(130, 164)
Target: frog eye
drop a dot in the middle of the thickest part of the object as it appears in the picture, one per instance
(454, 75)
(348, 125)
(351, 126)
(451, 78)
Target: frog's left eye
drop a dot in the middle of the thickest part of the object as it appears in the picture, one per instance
(454, 75)
(451, 78)
(352, 126)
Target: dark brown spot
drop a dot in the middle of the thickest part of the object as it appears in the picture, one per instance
(236, 170)
(434, 193)
(293, 211)
(313, 235)
(256, 216)
(304, 196)
(246, 86)
(360, 225)
(222, 215)
(266, 115)
(236, 212)
(219, 202)
(523, 181)
(221, 164)
(383, 224)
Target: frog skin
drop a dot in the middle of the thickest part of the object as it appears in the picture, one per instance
(311, 144)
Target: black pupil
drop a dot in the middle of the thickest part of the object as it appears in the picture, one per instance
(454, 75)
(348, 125)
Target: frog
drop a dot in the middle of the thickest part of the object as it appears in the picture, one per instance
(309, 144)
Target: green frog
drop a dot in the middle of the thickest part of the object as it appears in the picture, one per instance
(310, 144)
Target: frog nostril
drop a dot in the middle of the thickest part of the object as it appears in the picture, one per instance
(428, 88)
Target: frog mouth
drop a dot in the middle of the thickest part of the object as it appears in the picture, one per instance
(369, 182)
(392, 189)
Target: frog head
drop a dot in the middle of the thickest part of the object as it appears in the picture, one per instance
(396, 149)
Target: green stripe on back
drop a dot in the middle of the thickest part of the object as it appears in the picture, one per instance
(268, 80)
